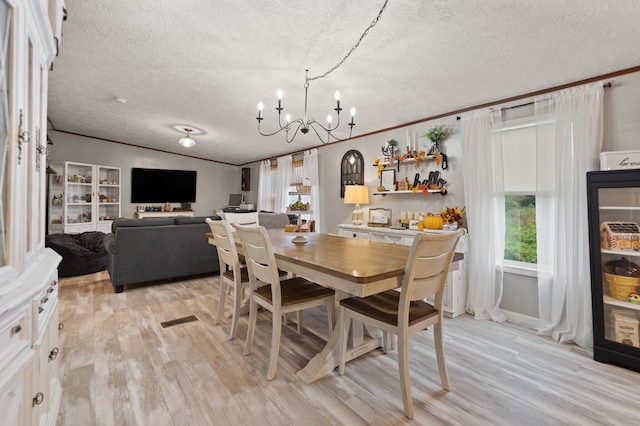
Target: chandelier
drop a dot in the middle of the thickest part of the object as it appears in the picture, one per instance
(304, 125)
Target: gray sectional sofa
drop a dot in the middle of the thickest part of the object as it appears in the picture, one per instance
(151, 249)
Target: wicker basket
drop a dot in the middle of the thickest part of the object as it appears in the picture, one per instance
(620, 286)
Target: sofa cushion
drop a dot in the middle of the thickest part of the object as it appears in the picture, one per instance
(147, 221)
(198, 219)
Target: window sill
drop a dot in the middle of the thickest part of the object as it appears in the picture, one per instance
(521, 268)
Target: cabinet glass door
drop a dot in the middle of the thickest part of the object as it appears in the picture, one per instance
(108, 194)
(79, 194)
(5, 27)
(620, 263)
(614, 233)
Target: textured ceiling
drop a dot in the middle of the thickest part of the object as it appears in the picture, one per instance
(207, 64)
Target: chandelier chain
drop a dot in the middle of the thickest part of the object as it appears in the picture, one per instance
(355, 46)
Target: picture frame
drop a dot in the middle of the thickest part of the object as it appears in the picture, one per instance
(379, 217)
(388, 179)
(413, 225)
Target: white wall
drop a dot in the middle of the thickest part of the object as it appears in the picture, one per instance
(215, 181)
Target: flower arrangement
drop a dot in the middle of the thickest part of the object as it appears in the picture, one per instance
(438, 133)
(452, 215)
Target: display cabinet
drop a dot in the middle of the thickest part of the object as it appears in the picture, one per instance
(614, 239)
(29, 386)
(83, 197)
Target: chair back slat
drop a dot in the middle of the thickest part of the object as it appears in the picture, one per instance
(225, 244)
(428, 266)
(250, 218)
(259, 255)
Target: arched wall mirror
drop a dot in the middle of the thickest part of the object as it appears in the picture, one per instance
(351, 170)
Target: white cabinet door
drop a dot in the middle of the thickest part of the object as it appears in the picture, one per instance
(15, 392)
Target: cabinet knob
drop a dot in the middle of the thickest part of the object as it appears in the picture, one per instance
(16, 329)
(60, 325)
(37, 400)
(50, 290)
(44, 300)
(40, 309)
(53, 354)
(54, 283)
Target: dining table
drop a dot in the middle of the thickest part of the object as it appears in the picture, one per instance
(352, 267)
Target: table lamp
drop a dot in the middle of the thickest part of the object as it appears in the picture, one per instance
(356, 194)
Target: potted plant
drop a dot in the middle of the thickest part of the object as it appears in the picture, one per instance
(436, 135)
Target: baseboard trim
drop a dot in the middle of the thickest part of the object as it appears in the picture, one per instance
(521, 319)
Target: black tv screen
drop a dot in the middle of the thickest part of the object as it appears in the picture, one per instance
(161, 186)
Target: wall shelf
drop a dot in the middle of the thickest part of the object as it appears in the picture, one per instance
(407, 161)
(431, 191)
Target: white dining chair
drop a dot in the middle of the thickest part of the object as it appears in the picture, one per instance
(405, 312)
(249, 218)
(276, 296)
(233, 275)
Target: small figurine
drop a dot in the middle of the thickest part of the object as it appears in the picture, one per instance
(634, 298)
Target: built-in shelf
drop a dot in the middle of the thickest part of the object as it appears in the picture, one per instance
(620, 303)
(625, 208)
(622, 252)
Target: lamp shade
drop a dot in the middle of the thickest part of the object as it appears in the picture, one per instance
(187, 142)
(356, 194)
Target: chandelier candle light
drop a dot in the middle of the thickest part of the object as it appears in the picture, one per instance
(305, 124)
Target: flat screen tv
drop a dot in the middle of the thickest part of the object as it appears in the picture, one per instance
(160, 186)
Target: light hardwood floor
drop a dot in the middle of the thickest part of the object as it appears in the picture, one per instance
(118, 366)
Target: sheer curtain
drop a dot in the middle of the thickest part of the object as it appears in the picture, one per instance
(484, 203)
(266, 189)
(311, 172)
(573, 121)
(283, 183)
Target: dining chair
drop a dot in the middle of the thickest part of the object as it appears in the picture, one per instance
(233, 274)
(249, 218)
(276, 296)
(405, 312)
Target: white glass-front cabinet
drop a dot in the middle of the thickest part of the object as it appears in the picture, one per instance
(29, 386)
(83, 197)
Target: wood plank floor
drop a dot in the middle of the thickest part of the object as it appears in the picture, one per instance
(118, 366)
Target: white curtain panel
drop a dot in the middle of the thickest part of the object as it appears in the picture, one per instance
(266, 195)
(484, 203)
(283, 183)
(569, 140)
(311, 172)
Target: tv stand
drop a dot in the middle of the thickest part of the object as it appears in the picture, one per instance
(188, 213)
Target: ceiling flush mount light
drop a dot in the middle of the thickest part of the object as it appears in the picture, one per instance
(187, 142)
(304, 125)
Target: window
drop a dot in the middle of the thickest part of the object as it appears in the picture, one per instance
(520, 228)
(519, 168)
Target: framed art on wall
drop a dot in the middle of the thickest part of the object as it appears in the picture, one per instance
(388, 179)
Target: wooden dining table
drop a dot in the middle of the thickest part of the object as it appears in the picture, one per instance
(351, 266)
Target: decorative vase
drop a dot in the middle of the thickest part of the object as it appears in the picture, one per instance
(450, 226)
